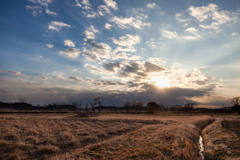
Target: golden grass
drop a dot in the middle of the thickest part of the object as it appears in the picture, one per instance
(39, 138)
(167, 140)
(221, 143)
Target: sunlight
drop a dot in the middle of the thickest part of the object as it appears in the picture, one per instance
(162, 83)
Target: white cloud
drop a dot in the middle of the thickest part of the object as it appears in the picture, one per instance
(91, 14)
(123, 55)
(54, 25)
(212, 26)
(191, 30)
(78, 4)
(130, 22)
(103, 7)
(51, 13)
(75, 70)
(108, 26)
(42, 2)
(50, 45)
(175, 35)
(178, 15)
(234, 34)
(169, 34)
(111, 4)
(90, 32)
(211, 11)
(152, 5)
(128, 40)
(202, 13)
(122, 49)
(36, 9)
(69, 43)
(71, 52)
(86, 4)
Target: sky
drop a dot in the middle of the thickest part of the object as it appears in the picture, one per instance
(171, 52)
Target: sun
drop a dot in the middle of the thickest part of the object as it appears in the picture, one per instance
(162, 83)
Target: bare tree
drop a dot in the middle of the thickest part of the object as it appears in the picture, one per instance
(95, 102)
(189, 105)
(236, 103)
(86, 108)
(127, 106)
(138, 105)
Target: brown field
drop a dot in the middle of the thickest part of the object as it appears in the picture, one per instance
(222, 139)
(109, 136)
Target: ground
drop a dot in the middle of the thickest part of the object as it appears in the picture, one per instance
(111, 136)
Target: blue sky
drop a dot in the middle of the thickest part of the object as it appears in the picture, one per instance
(171, 52)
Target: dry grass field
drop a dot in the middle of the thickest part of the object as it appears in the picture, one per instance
(109, 136)
(222, 139)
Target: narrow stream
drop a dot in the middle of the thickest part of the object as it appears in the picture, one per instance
(201, 148)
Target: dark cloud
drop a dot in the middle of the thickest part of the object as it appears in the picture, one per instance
(111, 66)
(133, 67)
(90, 56)
(107, 83)
(94, 44)
(203, 82)
(153, 67)
(77, 79)
(42, 94)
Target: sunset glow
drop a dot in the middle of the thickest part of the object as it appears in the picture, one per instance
(162, 83)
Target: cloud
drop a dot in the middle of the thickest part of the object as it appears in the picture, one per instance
(111, 4)
(101, 50)
(90, 33)
(16, 73)
(74, 70)
(152, 5)
(77, 79)
(54, 25)
(191, 30)
(51, 13)
(169, 34)
(90, 14)
(90, 56)
(41, 77)
(36, 9)
(86, 4)
(234, 34)
(130, 22)
(123, 55)
(150, 67)
(201, 13)
(178, 15)
(49, 45)
(69, 43)
(108, 26)
(71, 52)
(111, 66)
(128, 40)
(131, 67)
(42, 2)
(78, 4)
(175, 35)
(211, 11)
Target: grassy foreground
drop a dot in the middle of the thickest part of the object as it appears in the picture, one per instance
(166, 140)
(222, 139)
